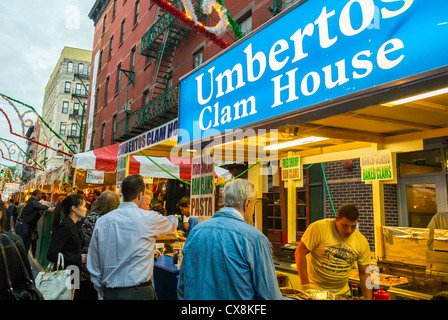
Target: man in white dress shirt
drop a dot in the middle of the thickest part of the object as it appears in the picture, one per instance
(121, 253)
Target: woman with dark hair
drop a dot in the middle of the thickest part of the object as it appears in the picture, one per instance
(105, 203)
(17, 275)
(66, 237)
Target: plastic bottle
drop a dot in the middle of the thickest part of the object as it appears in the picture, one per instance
(176, 252)
(381, 295)
(355, 292)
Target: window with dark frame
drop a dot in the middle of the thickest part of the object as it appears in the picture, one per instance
(114, 128)
(117, 85)
(115, 8)
(67, 87)
(198, 58)
(76, 108)
(122, 30)
(137, 5)
(103, 133)
(96, 99)
(245, 22)
(106, 92)
(74, 130)
(78, 88)
(111, 46)
(70, 67)
(65, 107)
(104, 23)
(80, 68)
(100, 60)
(132, 62)
(62, 128)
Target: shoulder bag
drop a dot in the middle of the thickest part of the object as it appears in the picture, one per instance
(55, 285)
(29, 292)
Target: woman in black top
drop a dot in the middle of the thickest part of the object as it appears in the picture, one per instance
(16, 272)
(66, 237)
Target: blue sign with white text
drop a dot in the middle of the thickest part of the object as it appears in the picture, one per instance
(319, 51)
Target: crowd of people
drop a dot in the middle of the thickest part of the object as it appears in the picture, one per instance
(225, 257)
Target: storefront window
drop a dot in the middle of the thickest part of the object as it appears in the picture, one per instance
(420, 162)
(422, 203)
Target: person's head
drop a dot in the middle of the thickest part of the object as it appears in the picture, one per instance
(80, 193)
(106, 202)
(241, 195)
(184, 206)
(147, 200)
(133, 189)
(44, 197)
(159, 209)
(96, 193)
(161, 197)
(75, 206)
(37, 194)
(347, 219)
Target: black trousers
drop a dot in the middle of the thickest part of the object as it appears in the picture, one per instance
(140, 292)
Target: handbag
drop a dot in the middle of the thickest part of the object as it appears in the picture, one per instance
(55, 285)
(30, 291)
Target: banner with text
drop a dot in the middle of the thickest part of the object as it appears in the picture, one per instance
(202, 190)
(377, 165)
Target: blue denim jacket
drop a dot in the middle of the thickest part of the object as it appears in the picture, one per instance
(225, 258)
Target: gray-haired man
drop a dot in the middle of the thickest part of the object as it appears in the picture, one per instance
(225, 257)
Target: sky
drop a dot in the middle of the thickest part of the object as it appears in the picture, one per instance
(32, 36)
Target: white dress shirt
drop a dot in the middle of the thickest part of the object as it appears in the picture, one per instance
(121, 251)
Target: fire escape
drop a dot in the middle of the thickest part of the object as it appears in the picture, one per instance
(158, 44)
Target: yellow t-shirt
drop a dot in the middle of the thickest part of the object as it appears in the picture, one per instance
(333, 256)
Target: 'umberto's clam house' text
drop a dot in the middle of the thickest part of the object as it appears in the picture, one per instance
(319, 51)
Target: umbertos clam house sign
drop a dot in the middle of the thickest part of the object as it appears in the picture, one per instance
(315, 52)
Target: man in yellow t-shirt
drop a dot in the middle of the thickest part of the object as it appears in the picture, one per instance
(334, 245)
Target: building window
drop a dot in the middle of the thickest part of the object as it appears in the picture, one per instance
(67, 87)
(65, 107)
(132, 62)
(76, 108)
(70, 67)
(122, 30)
(115, 8)
(80, 68)
(107, 90)
(114, 128)
(103, 133)
(145, 97)
(110, 46)
(73, 130)
(198, 58)
(60, 148)
(137, 5)
(117, 86)
(104, 23)
(96, 99)
(92, 142)
(78, 88)
(62, 128)
(100, 60)
(245, 23)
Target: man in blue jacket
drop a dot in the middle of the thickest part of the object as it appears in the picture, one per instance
(225, 257)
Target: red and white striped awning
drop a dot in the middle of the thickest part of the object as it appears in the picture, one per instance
(105, 159)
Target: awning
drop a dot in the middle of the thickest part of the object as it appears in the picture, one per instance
(105, 159)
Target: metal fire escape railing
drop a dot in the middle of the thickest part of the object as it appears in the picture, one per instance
(159, 44)
(157, 111)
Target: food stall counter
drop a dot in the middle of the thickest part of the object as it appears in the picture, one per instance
(165, 278)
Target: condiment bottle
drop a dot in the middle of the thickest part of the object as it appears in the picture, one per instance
(381, 295)
(355, 292)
